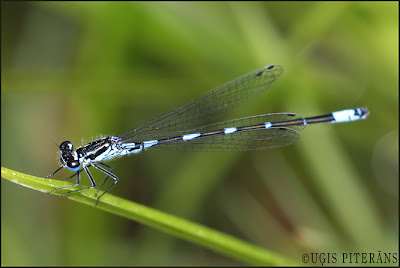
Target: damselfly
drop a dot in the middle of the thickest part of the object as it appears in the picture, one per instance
(178, 129)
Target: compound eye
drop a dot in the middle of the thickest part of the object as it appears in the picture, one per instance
(74, 165)
(66, 146)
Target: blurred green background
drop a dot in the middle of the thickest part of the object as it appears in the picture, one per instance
(75, 71)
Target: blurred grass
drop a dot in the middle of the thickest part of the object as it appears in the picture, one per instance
(194, 233)
(74, 70)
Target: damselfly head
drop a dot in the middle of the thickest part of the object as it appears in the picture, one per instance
(67, 158)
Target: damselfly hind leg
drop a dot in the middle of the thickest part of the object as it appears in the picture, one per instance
(109, 174)
(111, 169)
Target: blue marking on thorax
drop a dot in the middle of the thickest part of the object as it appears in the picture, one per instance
(130, 148)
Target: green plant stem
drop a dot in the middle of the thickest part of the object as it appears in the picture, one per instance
(178, 227)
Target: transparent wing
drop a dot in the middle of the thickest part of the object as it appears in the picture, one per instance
(210, 105)
(254, 136)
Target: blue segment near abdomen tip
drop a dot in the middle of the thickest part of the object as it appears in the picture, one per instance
(345, 116)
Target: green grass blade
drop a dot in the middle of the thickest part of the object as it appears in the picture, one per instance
(175, 226)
